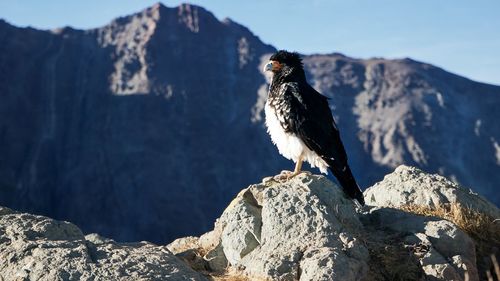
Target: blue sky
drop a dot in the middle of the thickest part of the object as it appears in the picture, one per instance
(462, 36)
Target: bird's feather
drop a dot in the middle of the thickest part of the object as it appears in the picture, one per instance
(310, 118)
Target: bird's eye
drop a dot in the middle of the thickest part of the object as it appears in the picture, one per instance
(276, 65)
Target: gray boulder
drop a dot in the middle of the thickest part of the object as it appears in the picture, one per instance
(411, 186)
(449, 252)
(304, 229)
(39, 248)
(443, 250)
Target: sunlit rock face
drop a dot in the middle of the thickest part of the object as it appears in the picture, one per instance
(154, 120)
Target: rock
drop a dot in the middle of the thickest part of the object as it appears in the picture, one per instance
(183, 244)
(451, 251)
(211, 239)
(411, 186)
(242, 232)
(301, 229)
(97, 239)
(191, 249)
(216, 259)
(193, 258)
(39, 248)
(448, 252)
(5, 211)
(304, 229)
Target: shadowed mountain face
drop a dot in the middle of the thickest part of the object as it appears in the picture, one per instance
(145, 129)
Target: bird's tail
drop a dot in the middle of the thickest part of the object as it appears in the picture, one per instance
(348, 183)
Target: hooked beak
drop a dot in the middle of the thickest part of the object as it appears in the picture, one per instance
(268, 66)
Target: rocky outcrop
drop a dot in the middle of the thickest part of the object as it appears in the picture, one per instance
(301, 229)
(39, 248)
(443, 251)
(411, 186)
(162, 109)
(306, 229)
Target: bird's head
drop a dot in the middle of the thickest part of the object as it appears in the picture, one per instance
(284, 62)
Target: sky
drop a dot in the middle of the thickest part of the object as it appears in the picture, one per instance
(461, 36)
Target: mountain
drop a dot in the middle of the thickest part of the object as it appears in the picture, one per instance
(150, 122)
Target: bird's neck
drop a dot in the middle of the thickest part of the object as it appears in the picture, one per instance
(295, 75)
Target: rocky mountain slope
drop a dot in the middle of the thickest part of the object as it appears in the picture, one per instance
(153, 121)
(302, 229)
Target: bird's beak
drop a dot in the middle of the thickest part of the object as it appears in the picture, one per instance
(268, 66)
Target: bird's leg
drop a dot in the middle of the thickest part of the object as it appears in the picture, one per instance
(298, 167)
(286, 175)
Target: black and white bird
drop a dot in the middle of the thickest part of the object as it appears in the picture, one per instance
(301, 124)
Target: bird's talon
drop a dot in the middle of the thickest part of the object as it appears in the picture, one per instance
(286, 176)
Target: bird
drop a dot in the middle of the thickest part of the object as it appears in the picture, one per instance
(301, 125)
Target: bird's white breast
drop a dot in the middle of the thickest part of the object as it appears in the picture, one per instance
(289, 145)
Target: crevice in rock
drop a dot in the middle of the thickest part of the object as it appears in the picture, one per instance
(92, 251)
(258, 230)
(193, 259)
(299, 269)
(250, 199)
(390, 258)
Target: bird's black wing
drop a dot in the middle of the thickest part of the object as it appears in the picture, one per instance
(310, 118)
